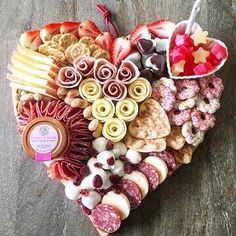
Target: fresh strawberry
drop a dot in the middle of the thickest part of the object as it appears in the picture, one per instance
(161, 28)
(31, 39)
(49, 31)
(140, 32)
(88, 28)
(121, 48)
(105, 41)
(70, 27)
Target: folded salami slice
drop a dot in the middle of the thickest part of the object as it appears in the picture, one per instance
(131, 191)
(68, 77)
(151, 173)
(106, 218)
(104, 70)
(127, 73)
(84, 65)
(114, 90)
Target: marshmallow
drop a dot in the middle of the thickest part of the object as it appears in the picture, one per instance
(99, 144)
(160, 166)
(119, 149)
(91, 200)
(133, 156)
(107, 159)
(91, 163)
(72, 191)
(118, 201)
(119, 168)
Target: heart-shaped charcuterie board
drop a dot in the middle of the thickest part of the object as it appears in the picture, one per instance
(112, 117)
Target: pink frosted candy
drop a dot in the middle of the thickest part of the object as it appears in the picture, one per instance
(211, 87)
(178, 117)
(186, 89)
(202, 121)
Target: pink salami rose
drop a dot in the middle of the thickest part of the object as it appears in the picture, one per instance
(114, 90)
(104, 70)
(84, 65)
(68, 77)
(127, 73)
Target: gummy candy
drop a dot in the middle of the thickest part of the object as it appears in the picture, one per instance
(183, 40)
(219, 51)
(199, 36)
(203, 68)
(180, 53)
(200, 55)
(178, 68)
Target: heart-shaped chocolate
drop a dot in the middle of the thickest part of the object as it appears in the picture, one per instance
(104, 114)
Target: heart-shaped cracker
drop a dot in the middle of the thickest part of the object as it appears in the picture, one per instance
(152, 122)
(180, 29)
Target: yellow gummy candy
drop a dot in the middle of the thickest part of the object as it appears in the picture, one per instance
(199, 36)
(178, 68)
(200, 56)
(127, 109)
(140, 89)
(103, 109)
(114, 129)
(90, 90)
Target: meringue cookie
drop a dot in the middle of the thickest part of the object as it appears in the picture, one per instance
(119, 168)
(72, 191)
(119, 149)
(99, 144)
(91, 200)
(107, 159)
(133, 156)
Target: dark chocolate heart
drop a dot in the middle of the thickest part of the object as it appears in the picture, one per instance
(145, 46)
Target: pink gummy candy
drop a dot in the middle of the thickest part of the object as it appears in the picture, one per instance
(180, 53)
(219, 51)
(203, 68)
(183, 40)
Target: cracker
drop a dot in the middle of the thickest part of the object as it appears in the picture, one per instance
(152, 123)
(56, 38)
(56, 54)
(66, 40)
(87, 40)
(175, 139)
(100, 53)
(144, 145)
(184, 155)
(93, 48)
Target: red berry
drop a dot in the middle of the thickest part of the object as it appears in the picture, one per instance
(77, 180)
(123, 158)
(183, 40)
(84, 171)
(219, 51)
(98, 165)
(203, 68)
(114, 179)
(128, 168)
(109, 145)
(111, 161)
(97, 181)
(84, 192)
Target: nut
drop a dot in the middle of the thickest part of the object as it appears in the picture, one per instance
(97, 133)
(17, 97)
(87, 112)
(62, 91)
(27, 97)
(38, 97)
(93, 125)
(68, 100)
(19, 107)
(73, 93)
(78, 102)
(23, 92)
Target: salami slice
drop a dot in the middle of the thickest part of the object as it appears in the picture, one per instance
(132, 192)
(106, 218)
(151, 173)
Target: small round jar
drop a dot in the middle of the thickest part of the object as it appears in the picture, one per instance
(46, 138)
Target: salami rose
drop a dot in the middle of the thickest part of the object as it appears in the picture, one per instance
(104, 70)
(127, 73)
(114, 90)
(84, 65)
(68, 77)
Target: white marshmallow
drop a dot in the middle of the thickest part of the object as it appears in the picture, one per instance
(72, 191)
(86, 183)
(140, 179)
(119, 168)
(133, 156)
(160, 166)
(91, 163)
(119, 201)
(91, 200)
(107, 184)
(102, 158)
(119, 149)
(99, 144)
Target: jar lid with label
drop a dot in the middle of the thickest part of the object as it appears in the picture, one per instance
(45, 138)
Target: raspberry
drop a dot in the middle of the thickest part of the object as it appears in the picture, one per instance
(111, 161)
(97, 181)
(98, 165)
(109, 145)
(123, 158)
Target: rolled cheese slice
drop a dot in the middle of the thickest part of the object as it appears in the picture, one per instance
(127, 109)
(160, 166)
(119, 201)
(140, 89)
(114, 129)
(103, 109)
(90, 90)
(140, 179)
